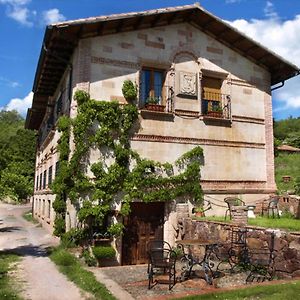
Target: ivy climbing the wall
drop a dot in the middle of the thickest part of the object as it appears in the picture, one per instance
(120, 173)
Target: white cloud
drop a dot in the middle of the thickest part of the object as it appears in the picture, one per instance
(20, 105)
(283, 38)
(269, 10)
(232, 1)
(53, 16)
(21, 15)
(17, 10)
(15, 2)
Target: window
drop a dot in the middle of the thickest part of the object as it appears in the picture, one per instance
(215, 104)
(49, 209)
(152, 81)
(44, 179)
(56, 168)
(41, 180)
(50, 175)
(37, 183)
(43, 213)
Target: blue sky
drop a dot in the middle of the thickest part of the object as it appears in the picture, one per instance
(274, 23)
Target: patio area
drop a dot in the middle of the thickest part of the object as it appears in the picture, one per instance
(133, 279)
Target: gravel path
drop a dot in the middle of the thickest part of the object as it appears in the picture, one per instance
(39, 276)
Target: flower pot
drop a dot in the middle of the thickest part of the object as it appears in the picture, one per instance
(155, 107)
(215, 114)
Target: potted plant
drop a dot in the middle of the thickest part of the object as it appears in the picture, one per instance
(152, 103)
(129, 90)
(199, 211)
(216, 111)
(105, 255)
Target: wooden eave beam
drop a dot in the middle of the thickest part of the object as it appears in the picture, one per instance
(120, 25)
(222, 32)
(155, 20)
(171, 18)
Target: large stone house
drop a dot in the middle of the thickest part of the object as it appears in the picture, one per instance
(214, 85)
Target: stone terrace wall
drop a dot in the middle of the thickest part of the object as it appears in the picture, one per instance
(286, 245)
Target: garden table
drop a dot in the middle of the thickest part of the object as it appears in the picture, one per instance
(189, 259)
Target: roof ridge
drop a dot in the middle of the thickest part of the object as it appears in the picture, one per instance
(128, 14)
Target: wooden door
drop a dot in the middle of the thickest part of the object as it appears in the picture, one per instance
(144, 223)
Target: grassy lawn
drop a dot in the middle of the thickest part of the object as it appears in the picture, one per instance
(70, 266)
(8, 288)
(282, 223)
(28, 217)
(286, 164)
(280, 291)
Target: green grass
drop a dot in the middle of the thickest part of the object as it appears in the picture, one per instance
(288, 224)
(70, 266)
(28, 217)
(282, 223)
(213, 218)
(286, 164)
(280, 291)
(8, 288)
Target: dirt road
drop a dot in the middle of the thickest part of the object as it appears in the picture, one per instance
(40, 277)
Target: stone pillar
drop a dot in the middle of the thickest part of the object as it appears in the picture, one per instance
(239, 215)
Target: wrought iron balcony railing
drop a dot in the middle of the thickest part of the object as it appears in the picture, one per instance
(216, 105)
(162, 103)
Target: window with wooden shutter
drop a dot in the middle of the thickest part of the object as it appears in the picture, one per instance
(211, 88)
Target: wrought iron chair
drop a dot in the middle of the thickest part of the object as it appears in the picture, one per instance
(261, 263)
(231, 202)
(162, 261)
(237, 251)
(158, 244)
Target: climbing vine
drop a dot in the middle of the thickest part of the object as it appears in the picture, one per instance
(120, 172)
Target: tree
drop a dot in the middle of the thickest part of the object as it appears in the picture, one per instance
(17, 156)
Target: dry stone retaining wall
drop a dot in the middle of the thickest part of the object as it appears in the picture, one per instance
(286, 245)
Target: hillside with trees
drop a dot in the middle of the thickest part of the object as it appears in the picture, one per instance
(17, 157)
(287, 132)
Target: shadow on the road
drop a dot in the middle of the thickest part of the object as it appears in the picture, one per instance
(29, 250)
(10, 229)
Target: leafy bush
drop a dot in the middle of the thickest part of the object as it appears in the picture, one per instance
(88, 259)
(129, 90)
(102, 252)
(74, 237)
(116, 229)
(59, 226)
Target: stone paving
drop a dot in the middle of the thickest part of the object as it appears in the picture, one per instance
(133, 280)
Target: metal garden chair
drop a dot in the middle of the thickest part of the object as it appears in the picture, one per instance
(162, 261)
(261, 262)
(231, 202)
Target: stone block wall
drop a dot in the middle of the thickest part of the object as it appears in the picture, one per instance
(286, 245)
(290, 204)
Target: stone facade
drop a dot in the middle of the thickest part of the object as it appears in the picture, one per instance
(238, 146)
(236, 157)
